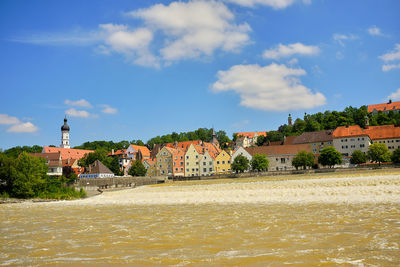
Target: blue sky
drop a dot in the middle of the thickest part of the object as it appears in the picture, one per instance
(123, 70)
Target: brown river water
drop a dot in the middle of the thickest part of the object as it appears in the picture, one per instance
(265, 232)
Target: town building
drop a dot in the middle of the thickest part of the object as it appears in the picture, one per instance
(279, 157)
(97, 170)
(385, 107)
(164, 161)
(243, 152)
(247, 139)
(317, 140)
(206, 164)
(135, 152)
(223, 163)
(192, 160)
(150, 166)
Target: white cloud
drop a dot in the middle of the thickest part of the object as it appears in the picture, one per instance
(273, 87)
(290, 50)
(391, 56)
(109, 110)
(78, 103)
(194, 29)
(79, 113)
(5, 119)
(293, 61)
(21, 127)
(394, 95)
(375, 31)
(342, 37)
(276, 4)
(388, 67)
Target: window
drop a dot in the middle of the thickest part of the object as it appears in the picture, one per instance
(352, 139)
(181, 157)
(187, 157)
(204, 163)
(362, 145)
(210, 169)
(176, 169)
(187, 163)
(181, 163)
(210, 163)
(229, 161)
(187, 170)
(223, 162)
(217, 162)
(192, 170)
(197, 156)
(182, 169)
(282, 160)
(197, 169)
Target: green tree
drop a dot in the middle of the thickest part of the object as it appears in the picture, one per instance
(30, 176)
(259, 162)
(378, 152)
(396, 156)
(273, 136)
(358, 157)
(261, 140)
(137, 169)
(240, 164)
(7, 171)
(330, 157)
(303, 159)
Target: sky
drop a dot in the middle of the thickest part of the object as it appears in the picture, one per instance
(128, 70)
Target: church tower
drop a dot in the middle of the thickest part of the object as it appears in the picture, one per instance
(65, 134)
(290, 120)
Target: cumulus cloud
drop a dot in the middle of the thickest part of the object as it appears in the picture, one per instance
(5, 119)
(194, 29)
(375, 31)
(79, 113)
(394, 95)
(21, 127)
(273, 87)
(276, 4)
(168, 33)
(78, 103)
(340, 38)
(290, 50)
(17, 125)
(392, 56)
(108, 110)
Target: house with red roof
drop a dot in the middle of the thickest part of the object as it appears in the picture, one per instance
(135, 152)
(280, 157)
(384, 107)
(247, 139)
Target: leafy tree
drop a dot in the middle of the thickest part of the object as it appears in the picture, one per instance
(259, 162)
(137, 169)
(274, 136)
(330, 157)
(261, 140)
(223, 139)
(114, 165)
(358, 157)
(240, 164)
(30, 176)
(303, 159)
(378, 152)
(396, 156)
(234, 137)
(14, 152)
(7, 171)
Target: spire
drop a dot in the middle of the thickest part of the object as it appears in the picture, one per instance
(65, 134)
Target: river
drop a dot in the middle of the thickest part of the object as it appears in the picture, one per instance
(326, 222)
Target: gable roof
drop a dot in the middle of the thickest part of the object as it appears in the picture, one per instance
(251, 134)
(67, 153)
(349, 131)
(98, 167)
(384, 106)
(313, 137)
(145, 151)
(383, 132)
(278, 150)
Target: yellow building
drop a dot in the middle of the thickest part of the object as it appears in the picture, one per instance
(222, 163)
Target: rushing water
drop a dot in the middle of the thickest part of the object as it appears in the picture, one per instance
(258, 234)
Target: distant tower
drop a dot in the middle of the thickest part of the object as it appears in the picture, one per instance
(65, 134)
(214, 137)
(290, 120)
(366, 122)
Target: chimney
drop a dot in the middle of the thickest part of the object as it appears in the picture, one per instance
(390, 101)
(112, 151)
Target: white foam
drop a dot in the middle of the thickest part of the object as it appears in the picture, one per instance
(370, 189)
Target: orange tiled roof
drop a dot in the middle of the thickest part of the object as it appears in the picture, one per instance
(384, 106)
(67, 153)
(251, 134)
(278, 150)
(118, 152)
(145, 151)
(383, 132)
(349, 131)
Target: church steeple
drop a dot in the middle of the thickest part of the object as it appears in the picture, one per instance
(290, 120)
(65, 134)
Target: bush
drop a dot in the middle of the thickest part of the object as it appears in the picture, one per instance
(259, 162)
(330, 157)
(358, 157)
(378, 152)
(240, 164)
(303, 159)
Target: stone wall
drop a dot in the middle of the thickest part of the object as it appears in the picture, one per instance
(116, 182)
